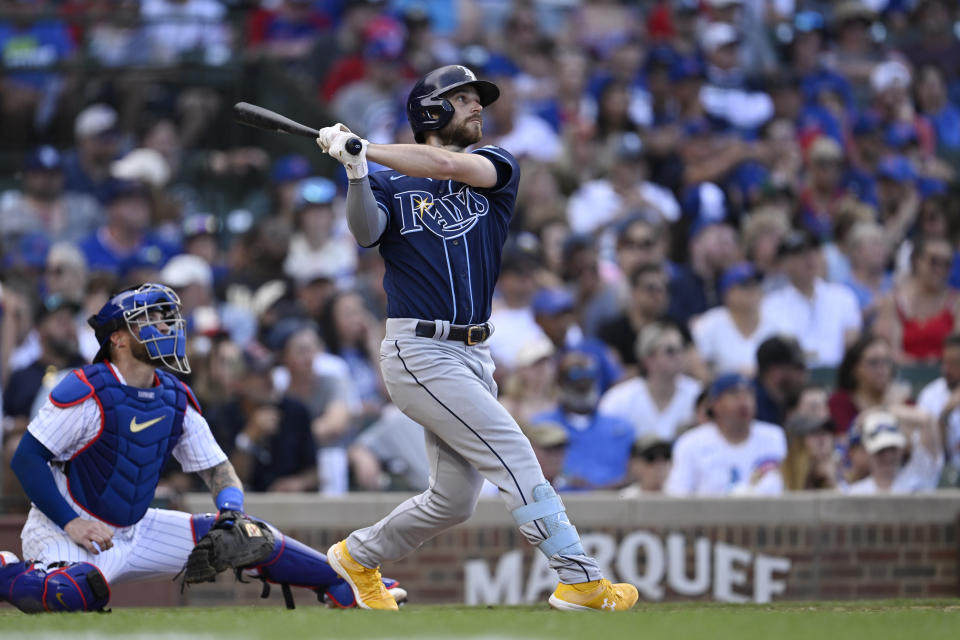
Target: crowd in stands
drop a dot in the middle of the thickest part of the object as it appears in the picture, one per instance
(736, 233)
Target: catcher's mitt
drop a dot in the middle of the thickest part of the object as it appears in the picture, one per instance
(235, 541)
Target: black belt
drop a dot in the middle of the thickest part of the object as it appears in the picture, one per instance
(469, 334)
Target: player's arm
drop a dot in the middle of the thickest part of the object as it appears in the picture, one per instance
(366, 220)
(225, 486)
(415, 160)
(30, 463)
(424, 161)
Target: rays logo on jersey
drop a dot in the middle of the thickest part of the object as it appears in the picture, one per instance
(448, 216)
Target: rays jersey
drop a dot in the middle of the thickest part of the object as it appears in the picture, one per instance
(443, 240)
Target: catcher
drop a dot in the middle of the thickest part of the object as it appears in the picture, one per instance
(90, 463)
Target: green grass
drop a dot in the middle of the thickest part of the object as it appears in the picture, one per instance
(908, 620)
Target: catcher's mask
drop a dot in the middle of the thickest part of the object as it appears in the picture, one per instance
(152, 314)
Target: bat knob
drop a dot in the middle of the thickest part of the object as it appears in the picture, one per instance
(353, 146)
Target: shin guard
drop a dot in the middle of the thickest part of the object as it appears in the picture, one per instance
(294, 564)
(75, 587)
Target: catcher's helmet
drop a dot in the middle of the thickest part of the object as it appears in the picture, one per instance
(152, 314)
(428, 111)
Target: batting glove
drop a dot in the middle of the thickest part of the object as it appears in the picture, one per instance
(326, 135)
(356, 165)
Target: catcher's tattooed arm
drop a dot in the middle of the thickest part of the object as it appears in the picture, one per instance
(219, 477)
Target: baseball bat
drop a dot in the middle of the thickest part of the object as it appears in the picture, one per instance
(254, 116)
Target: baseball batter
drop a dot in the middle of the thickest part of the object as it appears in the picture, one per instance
(440, 218)
(91, 459)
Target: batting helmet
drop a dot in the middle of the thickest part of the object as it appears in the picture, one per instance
(427, 110)
(152, 314)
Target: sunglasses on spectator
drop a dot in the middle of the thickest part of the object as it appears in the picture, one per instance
(638, 243)
(653, 287)
(940, 262)
(56, 270)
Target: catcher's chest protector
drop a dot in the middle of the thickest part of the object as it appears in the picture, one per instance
(114, 477)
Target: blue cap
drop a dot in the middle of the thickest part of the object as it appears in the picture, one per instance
(739, 274)
(45, 158)
(552, 301)
(728, 382)
(807, 21)
(315, 191)
(30, 251)
(897, 168)
(705, 204)
(290, 168)
(116, 189)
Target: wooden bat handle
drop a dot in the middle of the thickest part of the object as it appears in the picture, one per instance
(254, 116)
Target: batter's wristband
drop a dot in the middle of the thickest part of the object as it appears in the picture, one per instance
(230, 499)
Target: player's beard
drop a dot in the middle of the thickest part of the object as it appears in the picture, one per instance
(461, 134)
(139, 352)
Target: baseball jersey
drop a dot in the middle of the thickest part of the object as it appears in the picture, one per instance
(704, 463)
(443, 240)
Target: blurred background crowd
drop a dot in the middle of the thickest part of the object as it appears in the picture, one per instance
(733, 266)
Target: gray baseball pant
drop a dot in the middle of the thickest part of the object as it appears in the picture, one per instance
(448, 388)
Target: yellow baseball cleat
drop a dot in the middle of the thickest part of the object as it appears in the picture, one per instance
(599, 595)
(366, 583)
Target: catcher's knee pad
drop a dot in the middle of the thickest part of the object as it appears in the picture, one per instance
(562, 537)
(76, 587)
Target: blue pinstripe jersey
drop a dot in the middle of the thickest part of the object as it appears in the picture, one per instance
(443, 241)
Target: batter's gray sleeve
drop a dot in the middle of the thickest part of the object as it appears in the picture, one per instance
(367, 221)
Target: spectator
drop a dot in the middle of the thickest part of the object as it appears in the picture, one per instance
(762, 232)
(941, 396)
(553, 310)
(932, 101)
(650, 461)
(732, 455)
(266, 435)
(125, 241)
(726, 96)
(512, 315)
(599, 444)
(836, 253)
(713, 249)
(864, 381)
(43, 206)
(549, 442)
(317, 243)
(869, 279)
(177, 28)
(661, 401)
(648, 301)
(389, 455)
(531, 387)
(87, 167)
(923, 309)
(822, 316)
(626, 192)
(54, 321)
(887, 438)
(781, 375)
(824, 188)
(350, 332)
(811, 461)
(727, 337)
(523, 134)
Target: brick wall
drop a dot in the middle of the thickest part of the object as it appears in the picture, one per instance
(795, 548)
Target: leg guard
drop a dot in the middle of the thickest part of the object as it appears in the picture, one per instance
(562, 537)
(294, 564)
(77, 587)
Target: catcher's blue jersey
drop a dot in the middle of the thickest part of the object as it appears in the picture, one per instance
(443, 241)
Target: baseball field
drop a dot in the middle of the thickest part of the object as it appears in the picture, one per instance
(895, 619)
